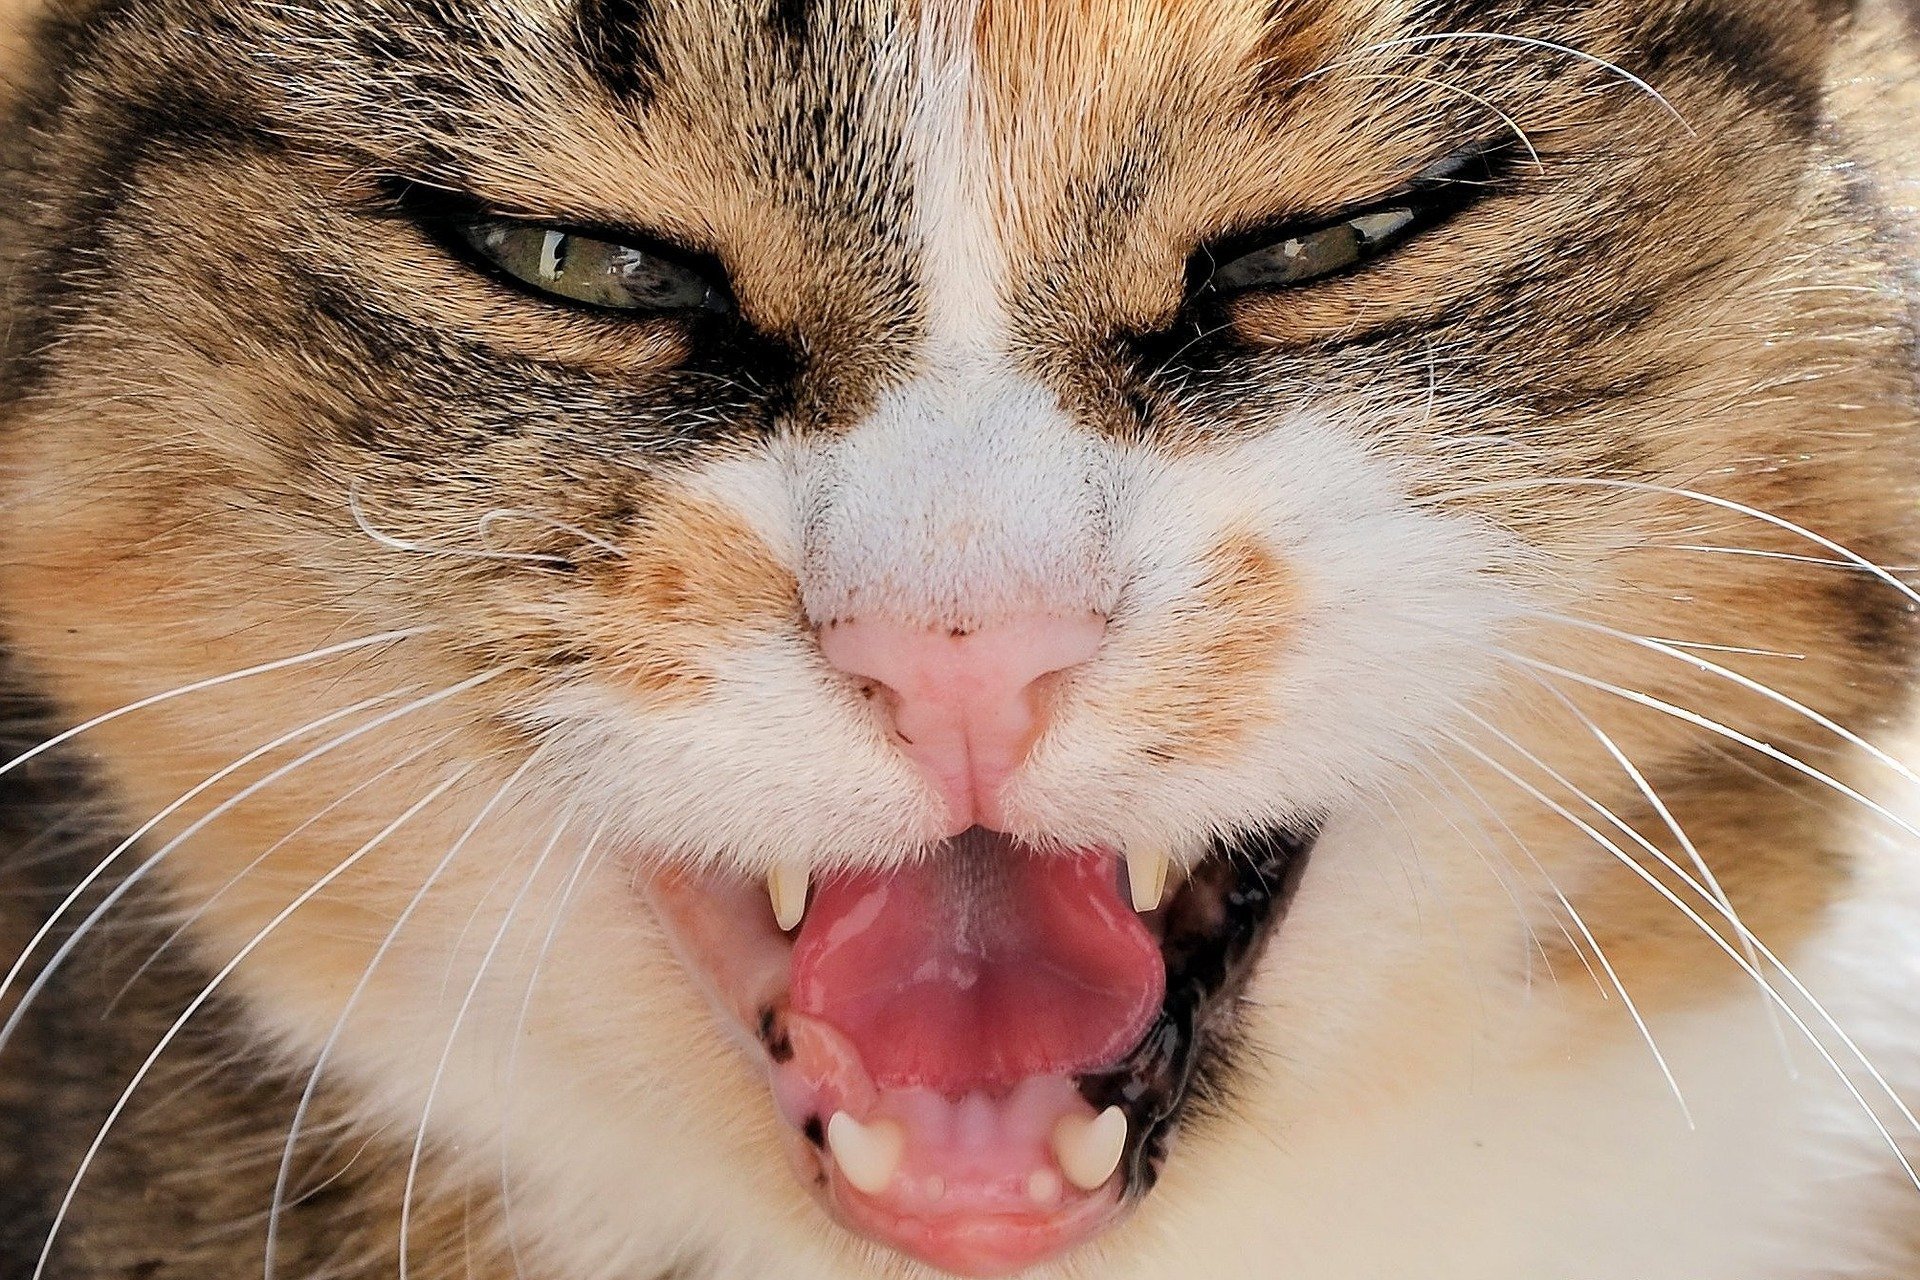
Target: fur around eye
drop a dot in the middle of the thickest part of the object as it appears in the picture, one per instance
(576, 267)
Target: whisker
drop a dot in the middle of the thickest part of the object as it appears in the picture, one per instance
(199, 686)
(99, 869)
(1509, 38)
(1793, 1015)
(1600, 956)
(1513, 126)
(513, 513)
(1738, 650)
(199, 912)
(1757, 553)
(453, 1035)
(1500, 878)
(1752, 743)
(1752, 940)
(1726, 504)
(581, 865)
(1701, 868)
(307, 1094)
(431, 549)
(1553, 886)
(140, 872)
(207, 992)
(1746, 682)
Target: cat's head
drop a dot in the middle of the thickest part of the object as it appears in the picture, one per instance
(754, 538)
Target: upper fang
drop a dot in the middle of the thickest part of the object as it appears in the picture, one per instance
(787, 886)
(1147, 877)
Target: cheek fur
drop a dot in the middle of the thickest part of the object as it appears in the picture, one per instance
(694, 582)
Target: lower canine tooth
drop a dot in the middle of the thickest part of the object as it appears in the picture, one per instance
(1147, 877)
(1090, 1150)
(868, 1154)
(787, 886)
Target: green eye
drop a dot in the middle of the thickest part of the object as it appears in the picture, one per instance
(1314, 255)
(1299, 255)
(598, 273)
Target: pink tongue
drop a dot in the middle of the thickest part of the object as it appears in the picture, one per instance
(981, 967)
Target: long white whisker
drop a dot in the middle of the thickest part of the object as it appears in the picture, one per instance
(140, 872)
(1701, 868)
(207, 993)
(1759, 554)
(307, 1094)
(1745, 682)
(1725, 504)
(1712, 726)
(1508, 38)
(1752, 941)
(199, 912)
(100, 868)
(1600, 955)
(1553, 886)
(580, 867)
(1500, 878)
(199, 686)
(453, 1035)
(1513, 126)
(1793, 1015)
(1733, 919)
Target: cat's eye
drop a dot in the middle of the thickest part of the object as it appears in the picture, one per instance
(581, 268)
(1291, 256)
(1314, 255)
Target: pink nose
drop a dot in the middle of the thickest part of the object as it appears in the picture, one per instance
(966, 707)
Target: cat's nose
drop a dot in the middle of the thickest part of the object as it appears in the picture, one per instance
(965, 706)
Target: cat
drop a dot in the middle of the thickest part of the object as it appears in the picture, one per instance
(891, 638)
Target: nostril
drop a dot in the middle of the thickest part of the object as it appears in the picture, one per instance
(965, 705)
(906, 664)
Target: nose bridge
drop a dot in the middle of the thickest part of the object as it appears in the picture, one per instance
(965, 706)
(967, 496)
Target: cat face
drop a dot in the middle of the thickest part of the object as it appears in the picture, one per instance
(804, 515)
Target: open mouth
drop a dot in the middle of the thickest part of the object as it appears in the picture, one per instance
(981, 1057)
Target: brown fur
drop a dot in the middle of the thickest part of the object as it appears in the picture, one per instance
(190, 433)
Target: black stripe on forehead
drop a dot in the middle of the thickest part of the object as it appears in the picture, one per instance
(1776, 64)
(792, 19)
(1475, 15)
(179, 120)
(617, 44)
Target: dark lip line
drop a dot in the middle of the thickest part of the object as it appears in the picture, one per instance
(1216, 931)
